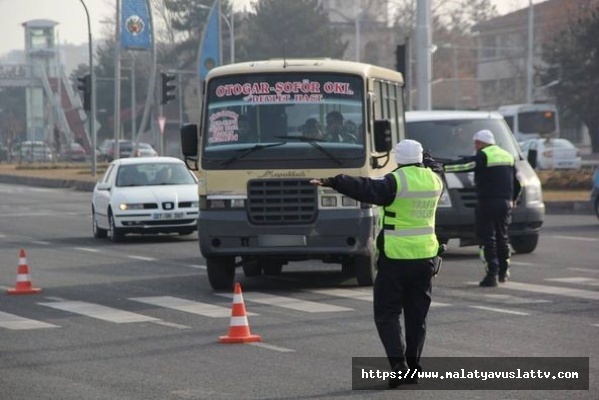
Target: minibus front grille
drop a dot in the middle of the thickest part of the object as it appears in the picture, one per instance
(282, 201)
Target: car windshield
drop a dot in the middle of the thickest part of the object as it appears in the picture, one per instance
(452, 138)
(246, 111)
(154, 174)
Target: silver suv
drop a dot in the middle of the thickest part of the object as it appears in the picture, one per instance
(447, 135)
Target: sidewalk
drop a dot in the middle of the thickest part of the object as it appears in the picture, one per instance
(86, 183)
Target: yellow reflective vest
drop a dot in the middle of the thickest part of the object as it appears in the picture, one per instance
(408, 224)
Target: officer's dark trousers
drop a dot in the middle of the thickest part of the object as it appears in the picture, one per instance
(493, 216)
(402, 286)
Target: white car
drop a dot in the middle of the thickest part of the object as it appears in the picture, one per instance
(553, 153)
(146, 195)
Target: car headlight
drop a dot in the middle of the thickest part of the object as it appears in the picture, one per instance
(444, 200)
(130, 206)
(533, 192)
(195, 204)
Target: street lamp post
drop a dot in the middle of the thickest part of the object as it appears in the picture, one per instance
(92, 115)
(357, 27)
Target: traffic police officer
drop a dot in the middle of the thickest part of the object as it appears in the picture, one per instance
(497, 189)
(407, 248)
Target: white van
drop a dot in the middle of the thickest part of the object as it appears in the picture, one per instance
(531, 121)
(447, 135)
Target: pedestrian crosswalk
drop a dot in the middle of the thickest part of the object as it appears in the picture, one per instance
(515, 299)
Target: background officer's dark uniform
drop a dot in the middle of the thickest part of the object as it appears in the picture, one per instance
(400, 284)
(497, 189)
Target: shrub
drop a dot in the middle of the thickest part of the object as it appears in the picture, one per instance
(567, 179)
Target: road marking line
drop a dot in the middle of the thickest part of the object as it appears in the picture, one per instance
(560, 291)
(356, 294)
(500, 310)
(87, 249)
(509, 299)
(576, 279)
(188, 306)
(594, 271)
(525, 264)
(288, 302)
(272, 347)
(142, 258)
(196, 266)
(40, 242)
(2, 236)
(15, 323)
(575, 238)
(100, 312)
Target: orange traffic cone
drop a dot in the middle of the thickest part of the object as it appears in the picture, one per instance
(239, 329)
(23, 285)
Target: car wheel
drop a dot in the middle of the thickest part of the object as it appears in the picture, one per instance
(365, 269)
(221, 272)
(99, 233)
(115, 235)
(524, 243)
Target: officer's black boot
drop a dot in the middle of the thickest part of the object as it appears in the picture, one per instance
(490, 280)
(504, 272)
(400, 368)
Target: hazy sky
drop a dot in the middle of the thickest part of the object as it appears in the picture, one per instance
(72, 26)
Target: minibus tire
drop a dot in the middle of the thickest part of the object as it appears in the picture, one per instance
(221, 272)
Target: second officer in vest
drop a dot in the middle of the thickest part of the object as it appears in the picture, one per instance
(497, 191)
(407, 249)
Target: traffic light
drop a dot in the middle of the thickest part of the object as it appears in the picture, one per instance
(400, 59)
(85, 86)
(167, 88)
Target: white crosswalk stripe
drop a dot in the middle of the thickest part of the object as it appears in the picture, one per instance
(499, 301)
(188, 306)
(288, 302)
(359, 295)
(99, 312)
(555, 290)
(14, 322)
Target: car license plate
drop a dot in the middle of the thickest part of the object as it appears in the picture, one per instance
(170, 215)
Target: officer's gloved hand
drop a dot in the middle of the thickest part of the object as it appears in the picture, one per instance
(429, 162)
(326, 182)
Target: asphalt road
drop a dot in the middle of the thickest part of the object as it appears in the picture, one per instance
(138, 320)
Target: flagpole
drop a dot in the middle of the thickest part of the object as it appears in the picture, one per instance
(117, 81)
(220, 32)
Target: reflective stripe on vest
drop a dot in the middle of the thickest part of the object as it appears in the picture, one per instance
(409, 222)
(497, 157)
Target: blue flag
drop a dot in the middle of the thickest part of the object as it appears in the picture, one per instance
(209, 54)
(136, 27)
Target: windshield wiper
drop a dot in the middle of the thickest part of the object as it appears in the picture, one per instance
(249, 150)
(314, 143)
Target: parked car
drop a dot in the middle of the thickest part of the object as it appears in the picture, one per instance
(447, 135)
(74, 152)
(145, 150)
(146, 195)
(553, 153)
(108, 147)
(32, 151)
(595, 192)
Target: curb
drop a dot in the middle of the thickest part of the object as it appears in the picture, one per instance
(551, 207)
(83, 186)
(568, 207)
